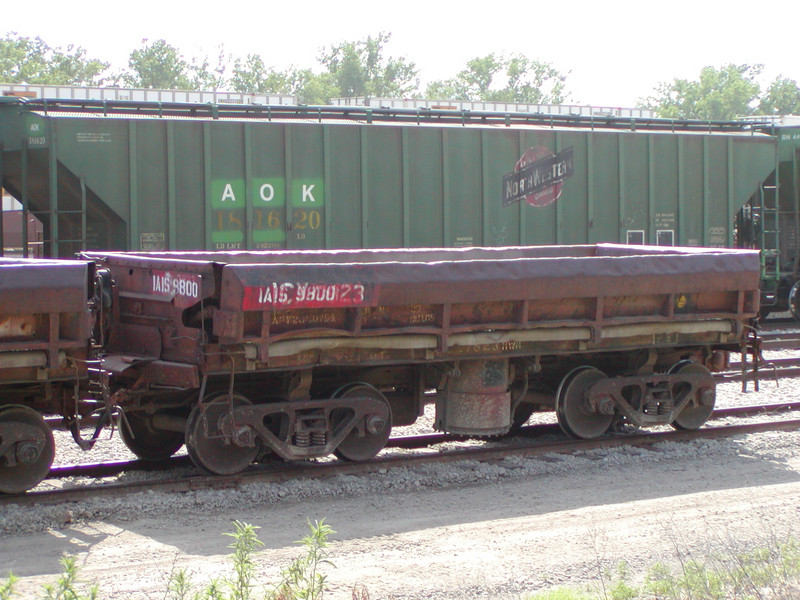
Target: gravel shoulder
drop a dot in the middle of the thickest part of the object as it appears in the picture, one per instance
(463, 530)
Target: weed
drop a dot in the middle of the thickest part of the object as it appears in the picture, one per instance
(767, 572)
(7, 587)
(302, 579)
(620, 588)
(559, 594)
(179, 587)
(66, 586)
(245, 542)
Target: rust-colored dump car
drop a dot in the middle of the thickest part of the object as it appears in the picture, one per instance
(45, 343)
(305, 353)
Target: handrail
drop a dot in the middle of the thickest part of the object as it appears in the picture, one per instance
(366, 115)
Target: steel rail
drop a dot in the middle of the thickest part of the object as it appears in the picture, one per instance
(311, 470)
(411, 442)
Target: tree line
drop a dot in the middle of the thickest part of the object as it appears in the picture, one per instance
(362, 68)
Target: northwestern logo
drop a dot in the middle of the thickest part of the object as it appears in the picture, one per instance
(537, 177)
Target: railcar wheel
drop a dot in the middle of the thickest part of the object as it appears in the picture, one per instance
(370, 437)
(206, 442)
(147, 442)
(794, 300)
(31, 457)
(697, 412)
(576, 416)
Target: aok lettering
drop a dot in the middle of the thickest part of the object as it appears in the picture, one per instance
(228, 193)
(307, 193)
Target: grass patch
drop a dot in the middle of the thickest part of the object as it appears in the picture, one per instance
(771, 572)
(303, 579)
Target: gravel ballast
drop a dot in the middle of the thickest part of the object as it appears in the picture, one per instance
(458, 530)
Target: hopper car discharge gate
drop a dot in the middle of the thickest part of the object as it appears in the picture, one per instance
(301, 354)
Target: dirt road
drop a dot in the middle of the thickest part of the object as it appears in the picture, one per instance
(457, 531)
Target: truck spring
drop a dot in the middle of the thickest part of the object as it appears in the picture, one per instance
(666, 406)
(302, 439)
(319, 438)
(652, 406)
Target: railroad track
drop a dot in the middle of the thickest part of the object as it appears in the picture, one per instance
(767, 370)
(779, 334)
(532, 441)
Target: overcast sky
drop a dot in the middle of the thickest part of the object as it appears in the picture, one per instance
(614, 52)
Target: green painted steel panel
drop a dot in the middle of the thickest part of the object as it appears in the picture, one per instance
(718, 220)
(152, 183)
(228, 191)
(382, 159)
(464, 200)
(189, 188)
(345, 179)
(306, 188)
(501, 152)
(692, 191)
(185, 183)
(604, 190)
(426, 196)
(540, 221)
(635, 219)
(664, 203)
(573, 206)
(267, 193)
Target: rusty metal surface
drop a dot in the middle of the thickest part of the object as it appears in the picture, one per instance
(379, 306)
(44, 321)
(476, 400)
(252, 287)
(46, 286)
(392, 277)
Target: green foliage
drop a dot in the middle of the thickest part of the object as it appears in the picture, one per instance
(765, 572)
(781, 98)
(360, 69)
(302, 579)
(559, 594)
(695, 580)
(32, 61)
(312, 88)
(66, 588)
(7, 587)
(251, 76)
(244, 545)
(205, 77)
(521, 80)
(158, 65)
(772, 571)
(179, 586)
(718, 94)
(620, 588)
(350, 69)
